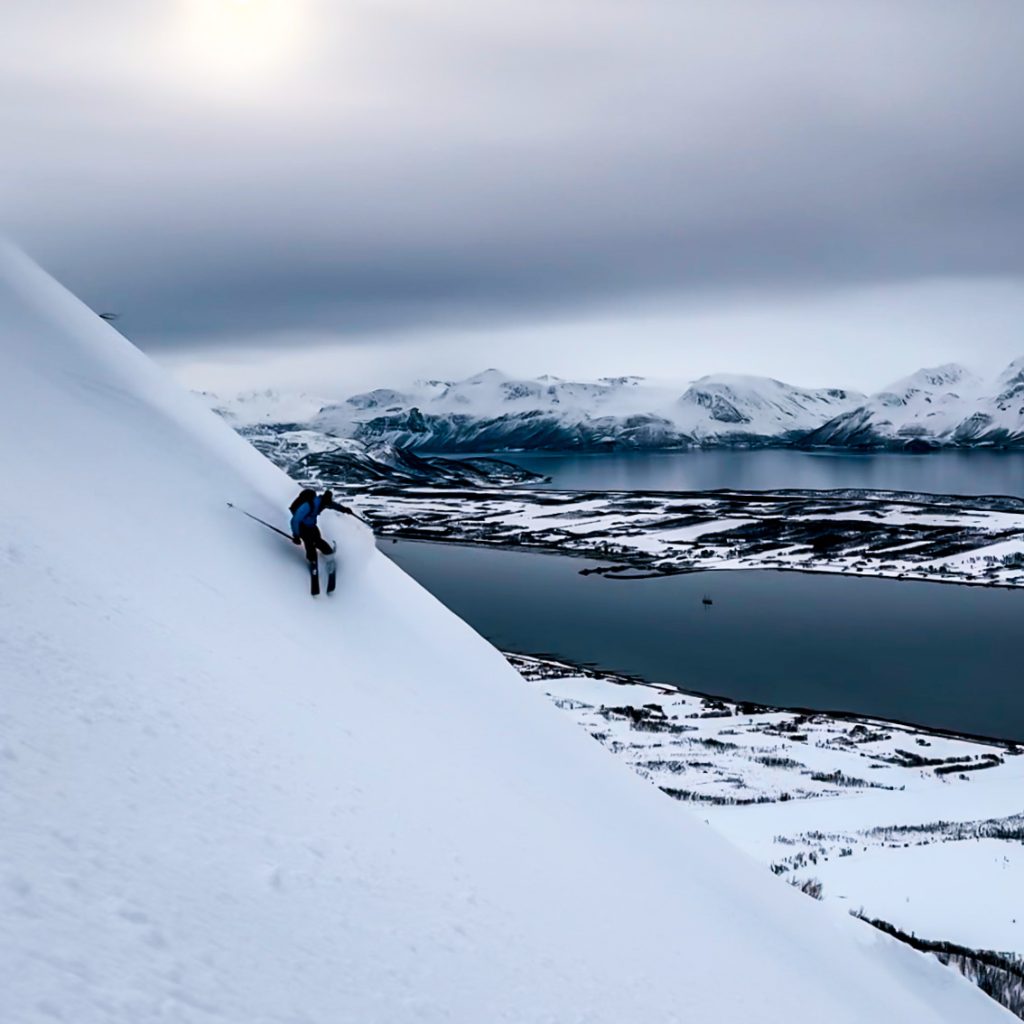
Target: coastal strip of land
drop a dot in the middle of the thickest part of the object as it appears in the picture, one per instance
(950, 538)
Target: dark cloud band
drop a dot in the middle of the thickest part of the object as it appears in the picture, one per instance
(493, 163)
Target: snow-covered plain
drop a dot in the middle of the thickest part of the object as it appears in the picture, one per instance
(222, 801)
(914, 827)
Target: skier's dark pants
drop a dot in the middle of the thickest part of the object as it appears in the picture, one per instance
(310, 537)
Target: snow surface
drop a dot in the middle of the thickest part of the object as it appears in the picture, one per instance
(225, 802)
(924, 888)
(836, 799)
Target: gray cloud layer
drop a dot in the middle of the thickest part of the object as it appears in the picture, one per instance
(459, 163)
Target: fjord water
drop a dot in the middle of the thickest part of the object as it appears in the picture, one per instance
(936, 654)
(945, 472)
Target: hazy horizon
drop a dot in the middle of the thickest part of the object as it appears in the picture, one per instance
(331, 374)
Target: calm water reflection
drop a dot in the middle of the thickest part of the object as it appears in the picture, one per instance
(977, 472)
(941, 655)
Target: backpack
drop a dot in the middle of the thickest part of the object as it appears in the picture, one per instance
(307, 495)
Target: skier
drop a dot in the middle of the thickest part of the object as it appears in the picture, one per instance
(305, 509)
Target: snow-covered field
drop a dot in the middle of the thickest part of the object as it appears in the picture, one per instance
(869, 533)
(917, 828)
(225, 802)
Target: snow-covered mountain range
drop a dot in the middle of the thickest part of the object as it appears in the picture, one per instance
(224, 802)
(943, 406)
(492, 412)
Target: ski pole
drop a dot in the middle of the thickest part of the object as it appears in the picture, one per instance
(269, 526)
(262, 522)
(356, 515)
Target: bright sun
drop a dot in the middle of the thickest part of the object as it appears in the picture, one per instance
(241, 42)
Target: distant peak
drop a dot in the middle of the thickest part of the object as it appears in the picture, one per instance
(737, 380)
(1014, 373)
(485, 376)
(946, 375)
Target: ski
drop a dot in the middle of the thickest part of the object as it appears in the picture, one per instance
(314, 579)
(332, 571)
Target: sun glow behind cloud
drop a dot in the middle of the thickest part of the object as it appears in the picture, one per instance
(241, 45)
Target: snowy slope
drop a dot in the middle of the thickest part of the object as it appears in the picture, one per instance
(318, 460)
(491, 411)
(944, 405)
(225, 802)
(758, 406)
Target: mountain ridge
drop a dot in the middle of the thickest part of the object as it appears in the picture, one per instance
(935, 407)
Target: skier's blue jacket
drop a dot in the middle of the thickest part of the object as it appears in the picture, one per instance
(306, 513)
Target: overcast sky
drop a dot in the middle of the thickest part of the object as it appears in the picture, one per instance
(828, 192)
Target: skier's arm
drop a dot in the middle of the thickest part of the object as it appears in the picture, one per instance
(341, 508)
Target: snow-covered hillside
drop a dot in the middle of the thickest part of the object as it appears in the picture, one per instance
(491, 411)
(944, 405)
(716, 407)
(317, 460)
(223, 801)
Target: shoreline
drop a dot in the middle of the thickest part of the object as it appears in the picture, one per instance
(645, 535)
(612, 574)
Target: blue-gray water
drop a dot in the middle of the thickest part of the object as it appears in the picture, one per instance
(949, 472)
(941, 655)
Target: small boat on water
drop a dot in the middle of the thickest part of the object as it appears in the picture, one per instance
(706, 600)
